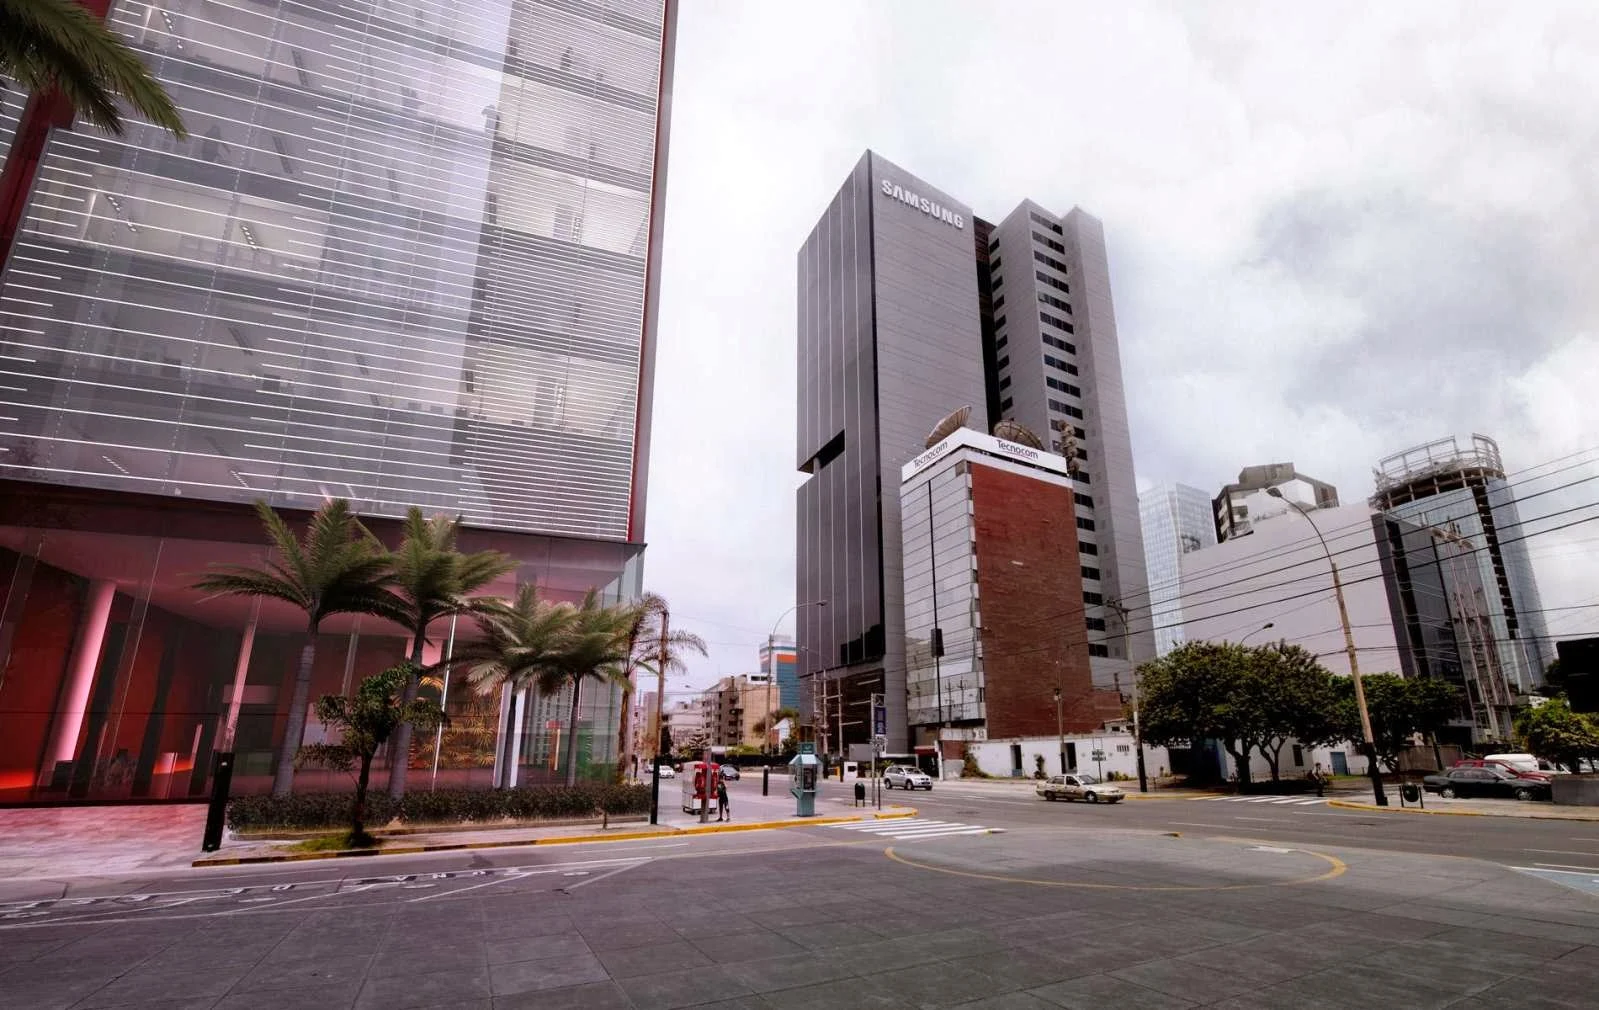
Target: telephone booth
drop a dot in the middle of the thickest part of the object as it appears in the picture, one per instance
(804, 771)
(699, 784)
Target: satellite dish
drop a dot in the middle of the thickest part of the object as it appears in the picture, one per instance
(1015, 431)
(948, 426)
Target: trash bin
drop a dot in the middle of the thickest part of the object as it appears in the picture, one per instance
(860, 794)
(1410, 792)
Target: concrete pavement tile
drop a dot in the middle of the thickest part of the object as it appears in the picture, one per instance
(1024, 968)
(459, 955)
(957, 943)
(147, 987)
(929, 985)
(52, 994)
(1359, 988)
(531, 948)
(850, 992)
(615, 937)
(1186, 979)
(523, 922)
(884, 955)
(670, 990)
(1009, 1001)
(321, 997)
(317, 971)
(823, 936)
(545, 973)
(401, 991)
(1500, 941)
(651, 960)
(1095, 992)
(790, 972)
(1531, 994)
(752, 946)
(592, 996)
(1242, 961)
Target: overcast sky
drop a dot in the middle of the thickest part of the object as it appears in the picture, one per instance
(1335, 231)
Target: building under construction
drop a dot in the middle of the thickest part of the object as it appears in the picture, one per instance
(1463, 495)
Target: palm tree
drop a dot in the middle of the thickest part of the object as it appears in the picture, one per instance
(596, 646)
(58, 44)
(340, 568)
(644, 653)
(433, 580)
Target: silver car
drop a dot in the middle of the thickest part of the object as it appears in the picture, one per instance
(906, 777)
(1079, 787)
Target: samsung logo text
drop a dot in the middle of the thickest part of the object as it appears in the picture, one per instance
(929, 207)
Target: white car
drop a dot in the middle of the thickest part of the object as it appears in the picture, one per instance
(667, 772)
(1079, 787)
(906, 777)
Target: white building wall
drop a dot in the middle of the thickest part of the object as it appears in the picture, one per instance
(995, 757)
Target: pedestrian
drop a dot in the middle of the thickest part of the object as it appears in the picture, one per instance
(723, 812)
(1320, 779)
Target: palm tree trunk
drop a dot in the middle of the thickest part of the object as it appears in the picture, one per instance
(624, 742)
(358, 812)
(400, 764)
(294, 729)
(571, 735)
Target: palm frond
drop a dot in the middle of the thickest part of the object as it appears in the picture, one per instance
(57, 43)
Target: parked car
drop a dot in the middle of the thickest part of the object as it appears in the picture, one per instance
(906, 777)
(667, 772)
(1524, 765)
(1078, 787)
(1490, 780)
(730, 772)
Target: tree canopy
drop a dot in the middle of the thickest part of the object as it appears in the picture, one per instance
(1555, 733)
(1400, 708)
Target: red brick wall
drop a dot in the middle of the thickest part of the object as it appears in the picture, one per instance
(1031, 599)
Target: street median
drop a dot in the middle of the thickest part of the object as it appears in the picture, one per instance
(1520, 811)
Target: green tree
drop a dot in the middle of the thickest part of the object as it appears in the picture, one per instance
(339, 568)
(434, 581)
(1400, 708)
(1555, 733)
(366, 723)
(1295, 699)
(1201, 691)
(58, 44)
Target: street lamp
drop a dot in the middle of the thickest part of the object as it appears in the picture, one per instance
(1264, 627)
(771, 667)
(1379, 796)
(1060, 732)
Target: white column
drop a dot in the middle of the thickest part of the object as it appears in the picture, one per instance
(80, 675)
(518, 713)
(241, 672)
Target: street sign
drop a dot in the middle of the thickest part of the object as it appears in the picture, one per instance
(879, 719)
(880, 744)
(1099, 755)
(807, 747)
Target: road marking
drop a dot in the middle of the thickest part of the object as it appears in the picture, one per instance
(1199, 824)
(1564, 852)
(611, 873)
(1568, 866)
(1336, 868)
(913, 828)
(1267, 820)
(1294, 801)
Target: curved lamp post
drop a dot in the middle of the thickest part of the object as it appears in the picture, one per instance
(771, 672)
(1379, 796)
(1264, 627)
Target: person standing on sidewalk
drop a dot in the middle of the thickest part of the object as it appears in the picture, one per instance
(723, 813)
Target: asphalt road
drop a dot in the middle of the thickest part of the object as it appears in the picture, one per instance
(987, 900)
(1505, 840)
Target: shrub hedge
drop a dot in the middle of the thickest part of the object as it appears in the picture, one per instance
(306, 811)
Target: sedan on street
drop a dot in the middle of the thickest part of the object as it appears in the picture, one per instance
(1486, 781)
(1078, 787)
(730, 772)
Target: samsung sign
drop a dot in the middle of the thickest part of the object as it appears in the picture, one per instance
(929, 207)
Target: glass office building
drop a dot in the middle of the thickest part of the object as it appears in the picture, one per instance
(1176, 521)
(407, 256)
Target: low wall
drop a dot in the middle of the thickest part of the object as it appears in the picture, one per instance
(1577, 790)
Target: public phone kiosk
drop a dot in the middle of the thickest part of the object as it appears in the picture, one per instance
(699, 785)
(804, 771)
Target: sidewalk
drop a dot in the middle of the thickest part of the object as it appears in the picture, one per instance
(51, 843)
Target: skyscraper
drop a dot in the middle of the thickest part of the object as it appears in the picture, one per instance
(1175, 519)
(1057, 370)
(901, 322)
(1464, 491)
(408, 256)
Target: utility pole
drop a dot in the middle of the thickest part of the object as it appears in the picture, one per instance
(1138, 732)
(1060, 731)
(1379, 794)
(660, 700)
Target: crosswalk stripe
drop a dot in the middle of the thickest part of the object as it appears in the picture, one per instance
(913, 828)
(941, 834)
(877, 825)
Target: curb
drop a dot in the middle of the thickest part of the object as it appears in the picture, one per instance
(1374, 808)
(624, 836)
